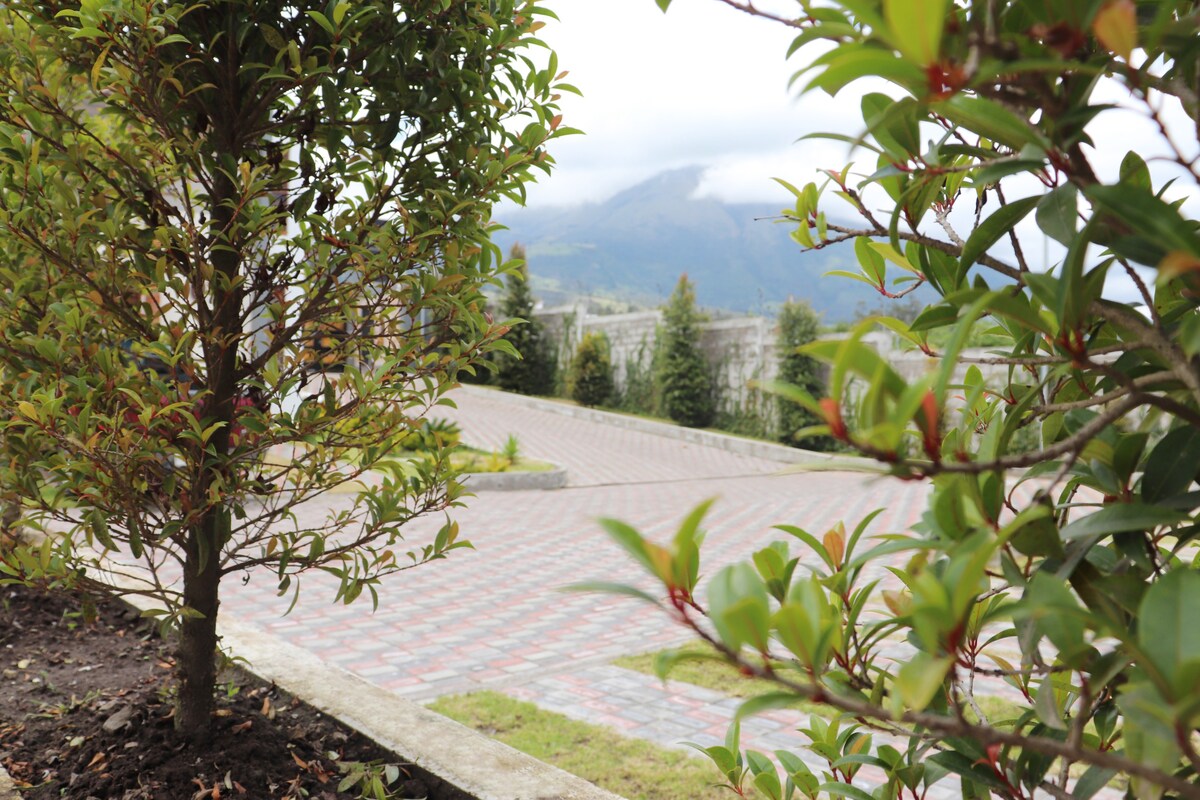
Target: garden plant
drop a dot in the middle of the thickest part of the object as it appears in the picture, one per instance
(590, 378)
(244, 247)
(1062, 578)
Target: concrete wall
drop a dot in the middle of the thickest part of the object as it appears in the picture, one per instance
(739, 351)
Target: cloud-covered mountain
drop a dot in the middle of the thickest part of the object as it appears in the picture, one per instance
(635, 245)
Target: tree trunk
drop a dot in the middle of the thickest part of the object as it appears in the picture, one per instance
(221, 329)
(196, 656)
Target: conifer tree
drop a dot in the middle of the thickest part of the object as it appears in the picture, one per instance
(535, 370)
(685, 385)
(798, 325)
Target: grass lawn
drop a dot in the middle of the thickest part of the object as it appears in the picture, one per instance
(632, 768)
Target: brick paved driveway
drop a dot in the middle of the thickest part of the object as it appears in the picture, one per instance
(495, 617)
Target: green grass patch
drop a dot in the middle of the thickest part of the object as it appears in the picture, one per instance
(632, 768)
(470, 459)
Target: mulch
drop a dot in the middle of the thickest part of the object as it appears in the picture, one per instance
(86, 712)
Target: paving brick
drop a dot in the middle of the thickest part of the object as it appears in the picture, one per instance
(495, 616)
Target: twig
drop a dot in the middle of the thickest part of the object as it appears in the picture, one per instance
(748, 7)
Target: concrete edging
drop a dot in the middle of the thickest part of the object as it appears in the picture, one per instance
(8, 789)
(515, 481)
(721, 441)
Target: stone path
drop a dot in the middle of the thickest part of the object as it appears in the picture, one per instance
(496, 618)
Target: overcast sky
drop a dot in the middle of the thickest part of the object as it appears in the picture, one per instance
(703, 84)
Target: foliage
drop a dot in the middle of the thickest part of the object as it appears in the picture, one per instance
(1065, 575)
(638, 392)
(241, 243)
(590, 379)
(685, 387)
(799, 325)
(535, 369)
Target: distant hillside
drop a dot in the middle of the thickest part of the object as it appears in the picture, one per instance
(634, 246)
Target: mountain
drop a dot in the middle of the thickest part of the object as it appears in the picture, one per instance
(634, 245)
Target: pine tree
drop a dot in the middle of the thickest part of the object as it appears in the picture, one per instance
(535, 371)
(798, 325)
(685, 386)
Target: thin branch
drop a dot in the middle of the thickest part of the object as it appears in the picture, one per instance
(1100, 399)
(1071, 444)
(748, 7)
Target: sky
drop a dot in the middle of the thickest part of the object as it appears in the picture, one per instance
(706, 84)
(702, 84)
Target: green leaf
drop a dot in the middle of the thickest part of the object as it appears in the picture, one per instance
(994, 227)
(771, 701)
(1167, 629)
(1058, 214)
(1172, 465)
(605, 587)
(850, 62)
(1095, 779)
(633, 543)
(1120, 518)
(965, 766)
(991, 120)
(920, 678)
(1147, 216)
(738, 607)
(1134, 172)
(915, 26)
(845, 790)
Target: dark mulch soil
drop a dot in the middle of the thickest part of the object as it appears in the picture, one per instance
(85, 712)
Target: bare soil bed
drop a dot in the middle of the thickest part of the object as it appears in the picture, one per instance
(85, 712)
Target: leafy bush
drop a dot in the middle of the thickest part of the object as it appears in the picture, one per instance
(534, 367)
(799, 325)
(638, 395)
(684, 384)
(590, 380)
(1065, 575)
(243, 247)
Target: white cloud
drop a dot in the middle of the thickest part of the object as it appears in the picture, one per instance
(702, 84)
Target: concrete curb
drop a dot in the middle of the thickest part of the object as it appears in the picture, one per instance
(515, 481)
(721, 441)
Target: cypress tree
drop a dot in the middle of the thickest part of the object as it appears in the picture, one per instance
(798, 325)
(535, 371)
(685, 385)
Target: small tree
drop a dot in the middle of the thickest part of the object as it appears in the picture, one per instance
(798, 325)
(243, 251)
(590, 379)
(685, 387)
(534, 369)
(1064, 576)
